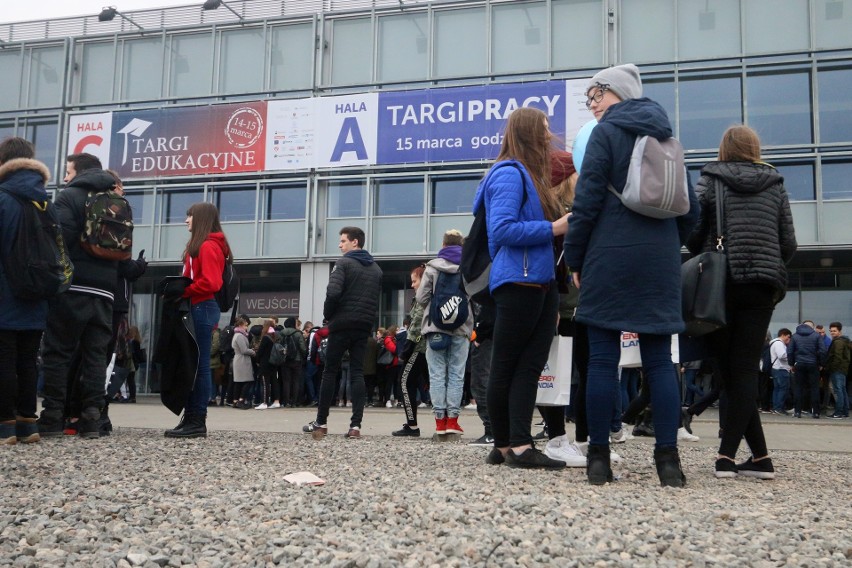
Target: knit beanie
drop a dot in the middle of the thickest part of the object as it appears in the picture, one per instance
(623, 80)
(561, 166)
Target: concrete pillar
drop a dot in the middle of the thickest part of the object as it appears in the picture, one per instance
(312, 287)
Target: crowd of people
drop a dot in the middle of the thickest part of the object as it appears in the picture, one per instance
(568, 258)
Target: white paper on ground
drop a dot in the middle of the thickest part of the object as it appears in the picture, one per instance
(303, 478)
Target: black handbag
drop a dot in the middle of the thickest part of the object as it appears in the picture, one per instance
(703, 281)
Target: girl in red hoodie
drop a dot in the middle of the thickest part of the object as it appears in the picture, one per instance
(203, 261)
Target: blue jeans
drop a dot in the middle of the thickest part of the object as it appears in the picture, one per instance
(841, 397)
(693, 391)
(602, 389)
(204, 315)
(629, 387)
(780, 388)
(446, 376)
(310, 373)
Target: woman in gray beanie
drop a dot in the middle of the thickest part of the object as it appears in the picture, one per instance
(629, 268)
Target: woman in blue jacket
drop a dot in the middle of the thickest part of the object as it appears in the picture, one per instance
(629, 267)
(522, 217)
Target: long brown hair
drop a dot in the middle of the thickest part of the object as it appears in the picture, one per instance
(739, 144)
(205, 220)
(528, 141)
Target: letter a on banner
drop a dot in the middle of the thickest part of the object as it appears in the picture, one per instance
(349, 140)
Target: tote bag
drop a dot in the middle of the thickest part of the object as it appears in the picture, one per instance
(631, 355)
(554, 383)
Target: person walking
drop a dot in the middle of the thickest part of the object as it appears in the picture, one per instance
(522, 218)
(627, 268)
(414, 361)
(759, 241)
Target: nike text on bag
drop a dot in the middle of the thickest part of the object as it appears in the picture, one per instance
(448, 308)
(475, 264)
(656, 183)
(227, 294)
(108, 230)
(38, 267)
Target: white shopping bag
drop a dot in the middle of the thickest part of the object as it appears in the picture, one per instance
(554, 384)
(631, 356)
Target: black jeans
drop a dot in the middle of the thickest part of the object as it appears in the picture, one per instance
(806, 376)
(18, 375)
(524, 327)
(76, 320)
(355, 341)
(737, 349)
(480, 370)
(415, 366)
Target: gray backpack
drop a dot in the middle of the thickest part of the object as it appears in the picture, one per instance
(656, 183)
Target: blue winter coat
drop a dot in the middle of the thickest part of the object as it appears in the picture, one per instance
(520, 238)
(806, 347)
(23, 178)
(629, 263)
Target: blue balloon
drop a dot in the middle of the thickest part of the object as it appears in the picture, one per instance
(580, 142)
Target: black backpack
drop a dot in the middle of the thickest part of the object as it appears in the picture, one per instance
(449, 306)
(227, 294)
(38, 267)
(226, 337)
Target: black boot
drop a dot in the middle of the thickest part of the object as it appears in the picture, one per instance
(195, 426)
(668, 467)
(597, 465)
(171, 433)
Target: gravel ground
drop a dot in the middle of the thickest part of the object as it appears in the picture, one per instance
(137, 499)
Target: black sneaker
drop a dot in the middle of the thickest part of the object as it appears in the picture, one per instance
(762, 469)
(407, 431)
(485, 440)
(50, 425)
(541, 435)
(495, 457)
(725, 468)
(89, 423)
(686, 420)
(532, 459)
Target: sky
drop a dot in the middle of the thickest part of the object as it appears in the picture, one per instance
(27, 10)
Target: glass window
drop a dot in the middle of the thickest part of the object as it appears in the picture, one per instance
(176, 202)
(235, 203)
(835, 105)
(351, 44)
(399, 197)
(346, 198)
(403, 47)
(644, 37)
(779, 107)
(10, 70)
(7, 129)
(836, 179)
(241, 61)
(450, 25)
(832, 22)
(708, 106)
(454, 194)
(519, 37)
(142, 203)
(47, 68)
(798, 179)
(191, 65)
(292, 56)
(776, 25)
(142, 69)
(708, 29)
(662, 91)
(285, 201)
(44, 136)
(584, 45)
(96, 72)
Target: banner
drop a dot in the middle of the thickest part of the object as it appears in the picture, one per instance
(90, 133)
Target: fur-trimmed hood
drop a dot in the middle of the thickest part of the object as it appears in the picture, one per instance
(25, 178)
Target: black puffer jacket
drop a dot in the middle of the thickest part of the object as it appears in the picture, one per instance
(758, 226)
(92, 275)
(352, 297)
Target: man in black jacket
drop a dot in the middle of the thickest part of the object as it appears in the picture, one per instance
(82, 315)
(806, 353)
(351, 307)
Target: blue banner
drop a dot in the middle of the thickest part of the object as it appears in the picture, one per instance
(459, 124)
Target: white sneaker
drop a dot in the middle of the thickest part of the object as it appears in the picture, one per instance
(421, 405)
(471, 406)
(621, 436)
(275, 405)
(684, 436)
(348, 405)
(388, 404)
(583, 448)
(560, 448)
(261, 406)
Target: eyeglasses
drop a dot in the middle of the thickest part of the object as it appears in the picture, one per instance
(598, 96)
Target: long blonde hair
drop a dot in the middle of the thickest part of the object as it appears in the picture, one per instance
(528, 140)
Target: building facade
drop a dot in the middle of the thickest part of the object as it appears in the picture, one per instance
(783, 67)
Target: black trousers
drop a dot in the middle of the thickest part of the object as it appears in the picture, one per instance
(737, 349)
(355, 341)
(415, 366)
(18, 374)
(524, 327)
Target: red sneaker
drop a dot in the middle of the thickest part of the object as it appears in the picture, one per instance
(440, 425)
(453, 426)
